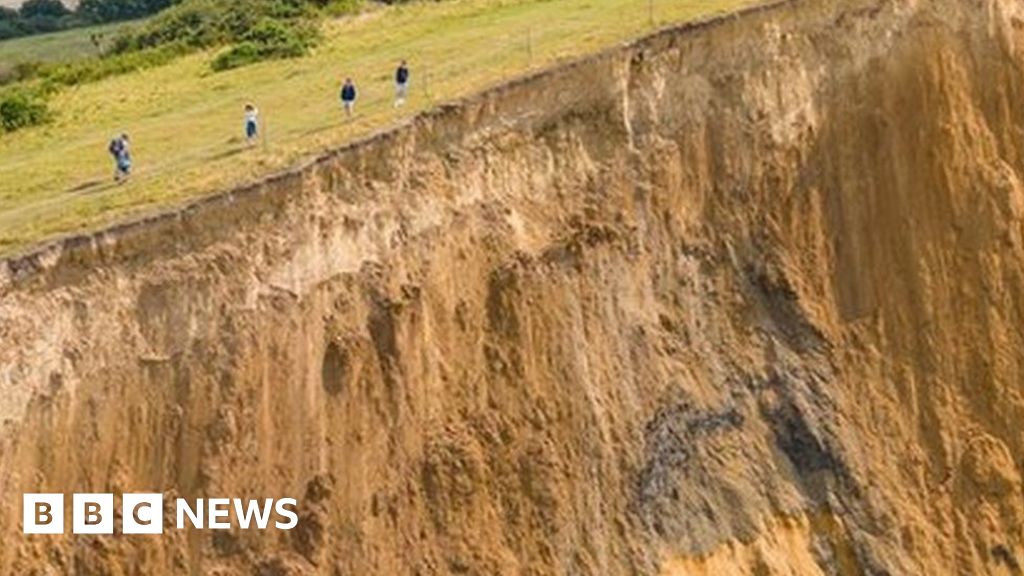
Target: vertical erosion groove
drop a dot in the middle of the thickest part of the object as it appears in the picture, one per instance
(334, 370)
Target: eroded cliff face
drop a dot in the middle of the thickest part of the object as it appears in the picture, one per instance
(741, 298)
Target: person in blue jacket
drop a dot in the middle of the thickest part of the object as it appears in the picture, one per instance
(348, 96)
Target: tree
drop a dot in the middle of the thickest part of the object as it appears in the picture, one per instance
(113, 10)
(103, 10)
(8, 30)
(34, 9)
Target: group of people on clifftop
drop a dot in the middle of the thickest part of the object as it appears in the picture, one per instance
(119, 147)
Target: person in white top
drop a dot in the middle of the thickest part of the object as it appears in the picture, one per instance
(252, 123)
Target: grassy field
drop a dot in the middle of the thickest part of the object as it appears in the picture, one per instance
(186, 122)
(57, 47)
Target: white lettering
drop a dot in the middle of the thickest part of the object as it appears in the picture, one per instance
(282, 510)
(252, 510)
(218, 508)
(195, 517)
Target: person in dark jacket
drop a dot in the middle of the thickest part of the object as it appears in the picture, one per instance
(401, 84)
(348, 96)
(120, 149)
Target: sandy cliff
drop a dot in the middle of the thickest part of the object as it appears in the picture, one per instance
(740, 298)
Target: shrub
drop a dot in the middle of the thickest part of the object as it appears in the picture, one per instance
(342, 7)
(20, 72)
(26, 70)
(204, 23)
(91, 70)
(288, 39)
(22, 108)
(237, 56)
(269, 39)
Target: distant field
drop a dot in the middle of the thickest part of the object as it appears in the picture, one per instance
(57, 47)
(185, 122)
(10, 3)
(18, 3)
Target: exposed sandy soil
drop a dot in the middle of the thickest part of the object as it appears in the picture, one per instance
(750, 303)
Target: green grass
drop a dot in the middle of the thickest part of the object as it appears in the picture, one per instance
(63, 46)
(186, 122)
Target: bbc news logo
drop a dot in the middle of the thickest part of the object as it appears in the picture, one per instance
(144, 513)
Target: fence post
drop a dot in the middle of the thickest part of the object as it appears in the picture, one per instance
(529, 48)
(426, 88)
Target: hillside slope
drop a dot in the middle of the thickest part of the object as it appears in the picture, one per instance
(185, 121)
(749, 304)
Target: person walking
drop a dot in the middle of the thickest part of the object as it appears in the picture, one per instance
(401, 84)
(120, 149)
(252, 124)
(348, 96)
